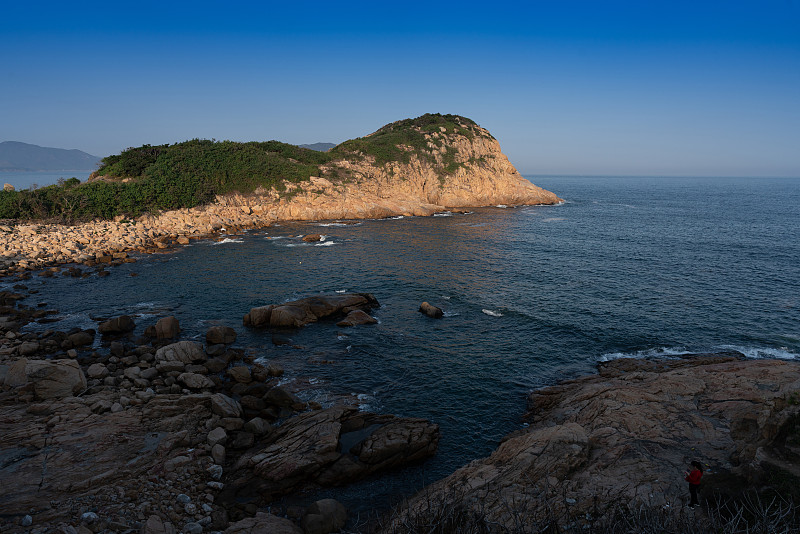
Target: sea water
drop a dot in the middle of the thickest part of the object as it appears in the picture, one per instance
(626, 266)
(37, 179)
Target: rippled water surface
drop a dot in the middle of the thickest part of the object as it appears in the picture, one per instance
(534, 294)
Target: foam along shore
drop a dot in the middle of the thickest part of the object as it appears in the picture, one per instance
(37, 245)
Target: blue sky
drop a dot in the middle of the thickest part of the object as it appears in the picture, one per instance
(567, 87)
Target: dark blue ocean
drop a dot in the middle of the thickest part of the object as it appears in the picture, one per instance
(626, 266)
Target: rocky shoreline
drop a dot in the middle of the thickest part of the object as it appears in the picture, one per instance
(149, 433)
(623, 438)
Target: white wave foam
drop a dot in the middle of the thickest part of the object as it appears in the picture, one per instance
(396, 217)
(228, 240)
(782, 353)
(341, 291)
(659, 352)
(451, 314)
(757, 353)
(503, 206)
(325, 244)
(335, 224)
(443, 214)
(367, 403)
(492, 313)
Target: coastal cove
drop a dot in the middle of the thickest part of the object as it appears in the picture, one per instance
(625, 267)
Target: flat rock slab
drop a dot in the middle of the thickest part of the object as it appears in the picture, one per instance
(59, 450)
(628, 433)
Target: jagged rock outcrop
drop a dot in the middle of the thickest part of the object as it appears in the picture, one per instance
(627, 434)
(327, 447)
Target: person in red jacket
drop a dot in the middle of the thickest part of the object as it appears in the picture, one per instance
(693, 478)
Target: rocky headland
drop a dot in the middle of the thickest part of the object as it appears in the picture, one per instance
(449, 170)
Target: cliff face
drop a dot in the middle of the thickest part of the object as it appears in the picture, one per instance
(464, 168)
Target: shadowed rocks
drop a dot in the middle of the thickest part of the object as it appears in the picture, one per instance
(327, 447)
(308, 310)
(627, 433)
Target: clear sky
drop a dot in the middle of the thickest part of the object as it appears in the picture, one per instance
(567, 87)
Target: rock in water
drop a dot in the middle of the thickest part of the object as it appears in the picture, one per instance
(117, 325)
(308, 310)
(217, 335)
(311, 238)
(167, 328)
(431, 310)
(357, 317)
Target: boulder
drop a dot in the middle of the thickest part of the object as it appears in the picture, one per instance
(278, 396)
(324, 516)
(117, 325)
(312, 238)
(50, 378)
(220, 335)
(97, 370)
(431, 311)
(357, 317)
(225, 406)
(240, 373)
(257, 426)
(79, 339)
(304, 311)
(28, 348)
(167, 328)
(195, 381)
(258, 316)
(263, 522)
(185, 352)
(218, 435)
(274, 369)
(155, 525)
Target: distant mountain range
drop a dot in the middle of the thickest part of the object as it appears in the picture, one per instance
(319, 147)
(16, 156)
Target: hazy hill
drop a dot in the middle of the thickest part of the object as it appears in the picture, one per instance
(319, 147)
(16, 156)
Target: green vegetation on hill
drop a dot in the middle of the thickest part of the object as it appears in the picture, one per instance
(191, 173)
(398, 140)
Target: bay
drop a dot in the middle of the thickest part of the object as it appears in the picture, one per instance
(627, 266)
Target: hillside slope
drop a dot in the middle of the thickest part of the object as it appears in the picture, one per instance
(17, 156)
